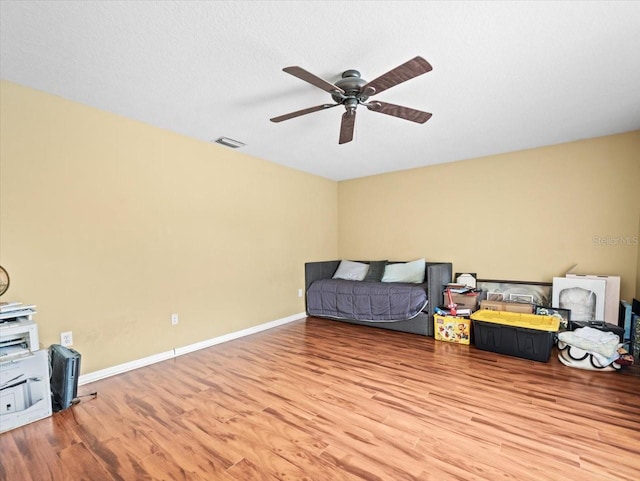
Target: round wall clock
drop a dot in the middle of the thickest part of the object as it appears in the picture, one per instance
(4, 280)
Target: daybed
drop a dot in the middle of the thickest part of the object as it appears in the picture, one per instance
(398, 306)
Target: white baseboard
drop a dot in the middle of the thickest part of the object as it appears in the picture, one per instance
(127, 366)
(179, 351)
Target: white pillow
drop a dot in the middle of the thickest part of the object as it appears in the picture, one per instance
(408, 272)
(351, 271)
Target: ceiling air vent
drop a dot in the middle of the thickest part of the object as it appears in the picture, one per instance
(226, 141)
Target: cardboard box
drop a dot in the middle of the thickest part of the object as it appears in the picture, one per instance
(452, 329)
(519, 307)
(462, 300)
(492, 305)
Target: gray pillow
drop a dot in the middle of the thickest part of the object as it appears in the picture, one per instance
(405, 272)
(351, 271)
(376, 271)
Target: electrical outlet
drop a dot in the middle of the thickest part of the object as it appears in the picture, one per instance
(174, 319)
(299, 292)
(66, 338)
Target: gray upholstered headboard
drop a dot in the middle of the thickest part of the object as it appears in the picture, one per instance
(325, 270)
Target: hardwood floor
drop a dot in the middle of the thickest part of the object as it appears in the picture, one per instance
(328, 401)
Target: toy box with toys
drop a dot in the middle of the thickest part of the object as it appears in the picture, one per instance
(452, 329)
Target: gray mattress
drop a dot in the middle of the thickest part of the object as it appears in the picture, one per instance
(366, 301)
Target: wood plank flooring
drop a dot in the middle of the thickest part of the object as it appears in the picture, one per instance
(327, 401)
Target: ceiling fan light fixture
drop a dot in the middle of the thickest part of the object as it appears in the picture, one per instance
(226, 141)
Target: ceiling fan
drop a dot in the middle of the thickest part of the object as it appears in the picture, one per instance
(351, 90)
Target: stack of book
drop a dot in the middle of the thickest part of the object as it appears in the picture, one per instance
(11, 311)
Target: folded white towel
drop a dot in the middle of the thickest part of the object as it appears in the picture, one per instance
(595, 335)
(593, 340)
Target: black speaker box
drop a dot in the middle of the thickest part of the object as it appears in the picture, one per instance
(65, 370)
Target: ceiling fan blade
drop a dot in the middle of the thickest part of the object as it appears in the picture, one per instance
(406, 71)
(399, 111)
(347, 126)
(298, 113)
(302, 74)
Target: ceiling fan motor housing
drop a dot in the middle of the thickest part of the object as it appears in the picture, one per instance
(352, 84)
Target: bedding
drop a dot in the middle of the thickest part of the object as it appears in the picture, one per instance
(366, 301)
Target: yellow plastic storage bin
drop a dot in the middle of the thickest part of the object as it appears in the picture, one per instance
(528, 336)
(516, 319)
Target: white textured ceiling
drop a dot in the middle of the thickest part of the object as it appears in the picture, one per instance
(506, 75)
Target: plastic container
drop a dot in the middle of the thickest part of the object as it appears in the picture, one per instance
(452, 329)
(528, 336)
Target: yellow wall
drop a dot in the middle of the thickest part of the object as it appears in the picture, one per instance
(528, 215)
(110, 225)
